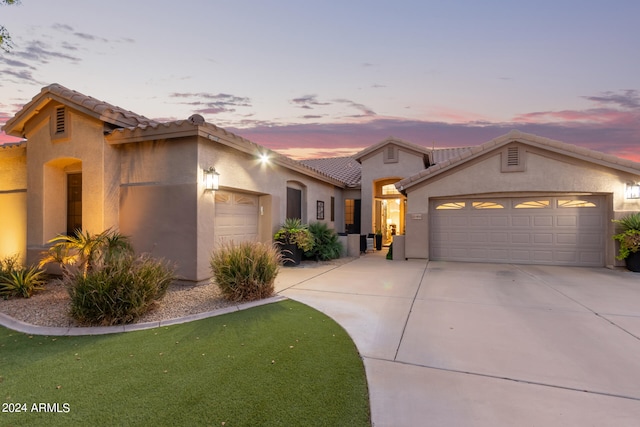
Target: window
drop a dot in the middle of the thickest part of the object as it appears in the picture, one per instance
(333, 208)
(451, 205)
(487, 205)
(294, 203)
(533, 204)
(566, 203)
(389, 189)
(348, 211)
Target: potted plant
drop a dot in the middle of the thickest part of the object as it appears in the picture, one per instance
(629, 239)
(378, 239)
(294, 239)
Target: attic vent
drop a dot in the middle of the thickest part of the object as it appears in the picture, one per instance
(513, 159)
(513, 156)
(390, 154)
(60, 122)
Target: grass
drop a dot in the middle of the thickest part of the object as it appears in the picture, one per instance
(275, 365)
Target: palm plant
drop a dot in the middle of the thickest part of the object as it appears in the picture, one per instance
(86, 251)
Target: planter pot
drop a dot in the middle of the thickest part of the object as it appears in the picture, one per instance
(292, 254)
(378, 242)
(633, 261)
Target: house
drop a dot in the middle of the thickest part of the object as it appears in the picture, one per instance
(88, 164)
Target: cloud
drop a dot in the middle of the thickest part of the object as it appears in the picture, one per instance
(366, 111)
(41, 53)
(629, 99)
(307, 101)
(21, 76)
(318, 139)
(13, 63)
(212, 103)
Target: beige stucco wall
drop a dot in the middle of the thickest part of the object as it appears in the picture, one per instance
(13, 202)
(167, 211)
(545, 172)
(48, 162)
(374, 168)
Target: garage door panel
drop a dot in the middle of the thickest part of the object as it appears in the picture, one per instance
(543, 238)
(543, 221)
(236, 217)
(540, 230)
(520, 221)
(567, 220)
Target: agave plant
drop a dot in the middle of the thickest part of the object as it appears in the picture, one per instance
(22, 282)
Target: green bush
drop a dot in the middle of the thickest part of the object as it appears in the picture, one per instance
(629, 236)
(16, 280)
(245, 271)
(120, 291)
(326, 245)
(294, 232)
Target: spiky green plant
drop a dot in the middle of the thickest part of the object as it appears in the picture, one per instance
(22, 282)
(326, 245)
(85, 251)
(294, 232)
(245, 271)
(119, 292)
(629, 235)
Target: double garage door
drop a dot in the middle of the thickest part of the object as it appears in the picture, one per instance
(236, 217)
(556, 230)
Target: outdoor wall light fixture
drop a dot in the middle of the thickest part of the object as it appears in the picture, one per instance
(264, 158)
(211, 179)
(632, 191)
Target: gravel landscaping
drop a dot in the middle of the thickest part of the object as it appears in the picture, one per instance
(51, 306)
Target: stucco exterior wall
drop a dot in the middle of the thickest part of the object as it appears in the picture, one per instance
(49, 160)
(545, 173)
(374, 168)
(13, 202)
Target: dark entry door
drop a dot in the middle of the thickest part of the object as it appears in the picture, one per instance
(74, 202)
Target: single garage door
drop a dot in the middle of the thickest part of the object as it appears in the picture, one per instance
(558, 230)
(236, 217)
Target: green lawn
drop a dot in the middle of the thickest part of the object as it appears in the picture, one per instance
(279, 364)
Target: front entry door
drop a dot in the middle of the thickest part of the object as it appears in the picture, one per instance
(74, 203)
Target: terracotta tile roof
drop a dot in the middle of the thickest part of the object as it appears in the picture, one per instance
(525, 138)
(440, 155)
(106, 112)
(344, 169)
(8, 145)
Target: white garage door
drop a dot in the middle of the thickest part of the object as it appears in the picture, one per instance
(236, 217)
(533, 230)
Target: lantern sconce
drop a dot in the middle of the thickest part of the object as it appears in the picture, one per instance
(211, 179)
(632, 191)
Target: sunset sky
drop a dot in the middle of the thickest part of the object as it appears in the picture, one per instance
(328, 78)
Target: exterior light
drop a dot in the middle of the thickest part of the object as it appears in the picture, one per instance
(632, 191)
(211, 179)
(264, 158)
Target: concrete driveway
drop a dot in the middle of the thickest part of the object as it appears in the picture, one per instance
(462, 344)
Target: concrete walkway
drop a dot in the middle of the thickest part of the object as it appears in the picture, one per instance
(461, 344)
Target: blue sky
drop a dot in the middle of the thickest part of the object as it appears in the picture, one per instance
(307, 78)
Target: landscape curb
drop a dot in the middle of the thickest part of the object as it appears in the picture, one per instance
(27, 328)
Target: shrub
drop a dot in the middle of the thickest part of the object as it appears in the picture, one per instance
(326, 245)
(16, 280)
(293, 232)
(629, 236)
(245, 271)
(120, 291)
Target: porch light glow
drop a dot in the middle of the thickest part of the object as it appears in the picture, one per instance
(632, 191)
(264, 158)
(211, 179)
